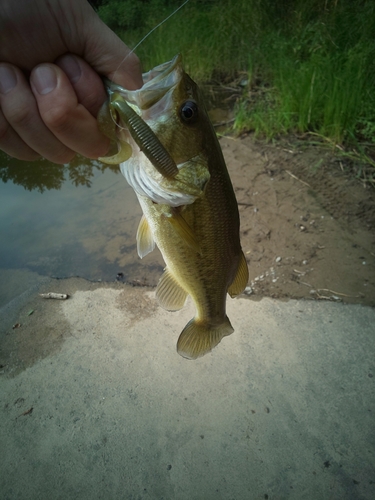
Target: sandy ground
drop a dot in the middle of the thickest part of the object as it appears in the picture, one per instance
(96, 403)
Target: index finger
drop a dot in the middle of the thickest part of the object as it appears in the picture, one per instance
(110, 57)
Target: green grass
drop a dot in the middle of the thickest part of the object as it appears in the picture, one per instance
(310, 65)
(325, 93)
(212, 36)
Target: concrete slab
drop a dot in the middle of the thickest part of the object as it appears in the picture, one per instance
(281, 409)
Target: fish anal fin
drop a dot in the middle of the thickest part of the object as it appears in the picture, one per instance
(240, 280)
(169, 293)
(183, 229)
(145, 239)
(199, 337)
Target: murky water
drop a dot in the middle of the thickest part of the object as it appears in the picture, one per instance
(75, 220)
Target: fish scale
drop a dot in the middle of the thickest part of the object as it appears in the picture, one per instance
(193, 216)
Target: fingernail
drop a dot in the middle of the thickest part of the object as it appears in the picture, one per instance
(71, 67)
(8, 79)
(44, 79)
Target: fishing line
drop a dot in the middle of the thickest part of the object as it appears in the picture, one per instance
(138, 44)
(148, 34)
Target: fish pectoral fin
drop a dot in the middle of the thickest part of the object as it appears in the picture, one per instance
(240, 280)
(199, 337)
(124, 153)
(145, 239)
(169, 293)
(183, 229)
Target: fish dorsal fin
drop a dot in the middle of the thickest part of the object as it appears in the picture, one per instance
(169, 293)
(240, 280)
(183, 229)
(145, 239)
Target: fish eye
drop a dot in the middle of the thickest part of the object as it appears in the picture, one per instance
(189, 112)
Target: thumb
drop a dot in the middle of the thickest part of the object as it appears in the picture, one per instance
(108, 55)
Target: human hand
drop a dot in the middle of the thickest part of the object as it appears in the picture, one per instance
(51, 55)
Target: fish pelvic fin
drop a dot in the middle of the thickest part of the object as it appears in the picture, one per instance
(170, 295)
(200, 337)
(240, 280)
(145, 239)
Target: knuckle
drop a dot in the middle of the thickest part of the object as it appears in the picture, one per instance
(134, 61)
(20, 116)
(92, 101)
(63, 158)
(98, 149)
(13, 146)
(4, 130)
(61, 155)
(26, 155)
(57, 118)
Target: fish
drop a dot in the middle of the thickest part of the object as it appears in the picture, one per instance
(169, 153)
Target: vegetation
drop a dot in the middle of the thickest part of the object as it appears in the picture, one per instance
(309, 64)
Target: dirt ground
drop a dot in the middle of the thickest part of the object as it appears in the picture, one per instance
(307, 226)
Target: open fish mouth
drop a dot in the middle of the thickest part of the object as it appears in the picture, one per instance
(141, 111)
(157, 83)
(147, 122)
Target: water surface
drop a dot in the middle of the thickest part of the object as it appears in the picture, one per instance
(74, 220)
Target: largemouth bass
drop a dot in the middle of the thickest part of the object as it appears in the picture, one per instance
(170, 155)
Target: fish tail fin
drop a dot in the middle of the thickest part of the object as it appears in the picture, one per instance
(200, 337)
